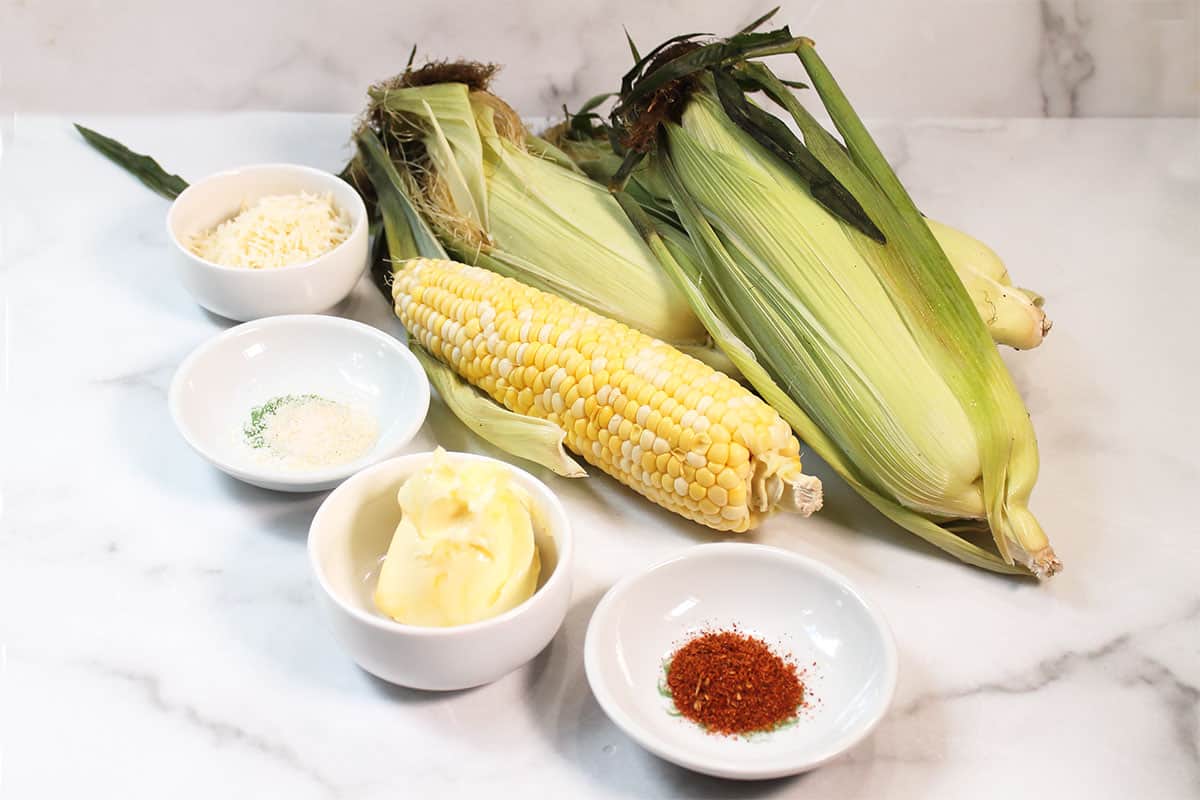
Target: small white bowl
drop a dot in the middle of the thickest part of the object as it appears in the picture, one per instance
(350, 535)
(215, 388)
(798, 606)
(244, 294)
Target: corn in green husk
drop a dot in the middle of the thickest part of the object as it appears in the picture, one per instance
(499, 197)
(1013, 316)
(822, 282)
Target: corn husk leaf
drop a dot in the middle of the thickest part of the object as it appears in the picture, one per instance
(406, 234)
(142, 167)
(536, 440)
(531, 214)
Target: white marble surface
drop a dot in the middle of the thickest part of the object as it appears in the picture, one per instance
(901, 58)
(158, 635)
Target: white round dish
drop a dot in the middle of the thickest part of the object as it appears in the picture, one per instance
(797, 605)
(346, 543)
(215, 388)
(243, 294)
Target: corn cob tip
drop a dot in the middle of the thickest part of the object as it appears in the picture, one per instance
(802, 495)
(1045, 563)
(779, 483)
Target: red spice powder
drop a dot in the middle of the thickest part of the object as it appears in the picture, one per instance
(732, 683)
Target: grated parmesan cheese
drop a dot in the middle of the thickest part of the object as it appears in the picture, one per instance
(307, 432)
(277, 231)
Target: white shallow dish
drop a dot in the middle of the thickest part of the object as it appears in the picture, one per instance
(244, 294)
(350, 535)
(216, 387)
(798, 606)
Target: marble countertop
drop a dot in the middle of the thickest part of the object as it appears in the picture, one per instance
(158, 631)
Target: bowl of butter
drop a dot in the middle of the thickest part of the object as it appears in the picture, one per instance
(442, 571)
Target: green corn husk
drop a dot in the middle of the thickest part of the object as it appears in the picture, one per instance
(1014, 316)
(827, 289)
(500, 198)
(140, 166)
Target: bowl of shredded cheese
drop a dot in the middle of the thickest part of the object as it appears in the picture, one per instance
(269, 239)
(299, 402)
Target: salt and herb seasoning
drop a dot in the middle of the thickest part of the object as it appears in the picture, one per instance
(299, 432)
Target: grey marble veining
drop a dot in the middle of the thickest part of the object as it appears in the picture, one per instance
(900, 59)
(158, 635)
(1064, 61)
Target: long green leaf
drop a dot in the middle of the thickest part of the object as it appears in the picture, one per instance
(763, 20)
(633, 50)
(142, 167)
(593, 102)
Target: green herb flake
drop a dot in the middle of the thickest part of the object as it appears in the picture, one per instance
(260, 416)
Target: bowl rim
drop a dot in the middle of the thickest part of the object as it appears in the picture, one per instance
(741, 769)
(281, 477)
(358, 213)
(550, 502)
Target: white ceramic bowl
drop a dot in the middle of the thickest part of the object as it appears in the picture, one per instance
(797, 605)
(244, 294)
(350, 535)
(215, 388)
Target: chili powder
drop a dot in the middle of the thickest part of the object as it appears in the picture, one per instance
(731, 683)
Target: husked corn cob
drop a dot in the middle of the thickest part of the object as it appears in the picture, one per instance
(688, 437)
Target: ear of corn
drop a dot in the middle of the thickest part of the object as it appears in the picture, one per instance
(687, 437)
(502, 199)
(870, 347)
(938, 312)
